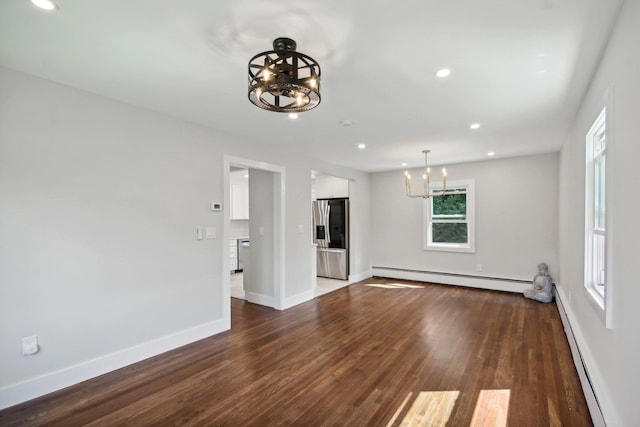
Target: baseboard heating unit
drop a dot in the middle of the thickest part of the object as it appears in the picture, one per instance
(587, 387)
(482, 282)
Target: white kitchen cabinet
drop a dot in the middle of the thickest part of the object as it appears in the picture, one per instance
(329, 187)
(340, 187)
(239, 196)
(323, 187)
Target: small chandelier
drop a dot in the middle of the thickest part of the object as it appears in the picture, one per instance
(284, 80)
(426, 181)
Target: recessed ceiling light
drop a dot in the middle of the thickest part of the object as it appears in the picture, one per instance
(44, 4)
(404, 164)
(346, 122)
(490, 153)
(361, 146)
(443, 72)
(293, 116)
(474, 126)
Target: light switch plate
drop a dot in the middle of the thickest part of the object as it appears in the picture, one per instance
(210, 232)
(199, 233)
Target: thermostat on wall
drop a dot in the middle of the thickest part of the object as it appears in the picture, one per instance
(215, 206)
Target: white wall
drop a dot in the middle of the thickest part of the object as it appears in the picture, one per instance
(516, 220)
(259, 284)
(99, 202)
(611, 355)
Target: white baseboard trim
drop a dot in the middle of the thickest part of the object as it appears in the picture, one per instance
(498, 284)
(574, 337)
(23, 391)
(359, 277)
(256, 298)
(299, 299)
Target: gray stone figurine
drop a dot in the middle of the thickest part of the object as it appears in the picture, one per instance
(542, 289)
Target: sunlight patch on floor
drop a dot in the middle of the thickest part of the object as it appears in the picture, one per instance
(392, 285)
(491, 409)
(400, 409)
(434, 408)
(431, 409)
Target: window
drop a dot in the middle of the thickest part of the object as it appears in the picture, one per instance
(595, 210)
(449, 219)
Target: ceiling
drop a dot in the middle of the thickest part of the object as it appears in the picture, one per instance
(519, 68)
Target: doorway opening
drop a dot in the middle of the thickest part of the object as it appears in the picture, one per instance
(254, 229)
(239, 241)
(331, 231)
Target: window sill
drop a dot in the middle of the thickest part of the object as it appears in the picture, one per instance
(450, 248)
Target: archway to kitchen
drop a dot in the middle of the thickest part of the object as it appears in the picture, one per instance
(263, 257)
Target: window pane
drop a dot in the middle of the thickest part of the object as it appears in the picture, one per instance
(449, 232)
(599, 195)
(595, 207)
(598, 262)
(450, 204)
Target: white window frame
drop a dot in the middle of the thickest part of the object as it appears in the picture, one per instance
(470, 246)
(597, 229)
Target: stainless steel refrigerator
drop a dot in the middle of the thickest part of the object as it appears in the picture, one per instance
(331, 234)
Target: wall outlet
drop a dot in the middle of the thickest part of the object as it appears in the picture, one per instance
(210, 232)
(479, 267)
(30, 345)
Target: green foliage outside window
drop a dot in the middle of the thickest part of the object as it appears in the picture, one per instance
(450, 204)
(449, 232)
(449, 219)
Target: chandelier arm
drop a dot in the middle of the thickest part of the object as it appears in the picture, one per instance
(426, 184)
(415, 196)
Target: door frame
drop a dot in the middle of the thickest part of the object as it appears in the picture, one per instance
(278, 229)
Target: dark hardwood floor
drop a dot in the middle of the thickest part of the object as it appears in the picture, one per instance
(363, 355)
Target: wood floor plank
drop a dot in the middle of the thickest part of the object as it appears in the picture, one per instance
(359, 356)
(491, 409)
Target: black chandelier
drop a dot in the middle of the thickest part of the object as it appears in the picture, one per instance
(284, 80)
